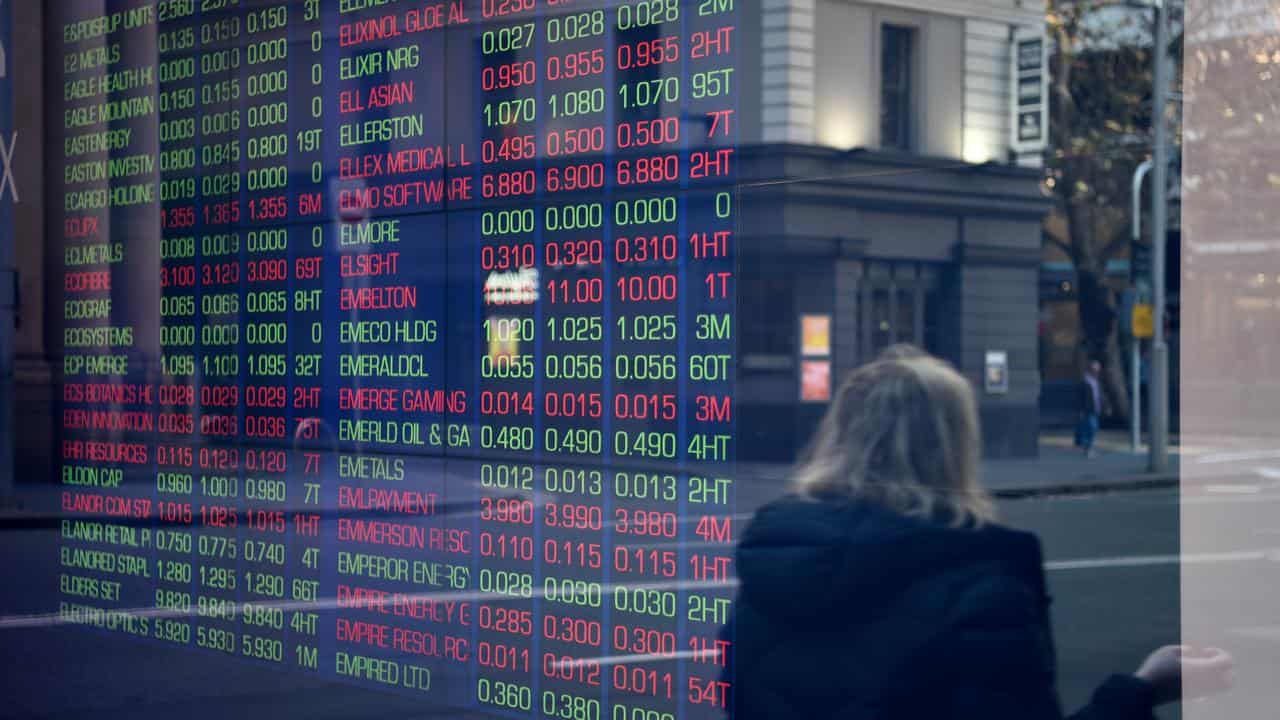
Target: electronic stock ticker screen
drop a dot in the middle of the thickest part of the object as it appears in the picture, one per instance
(398, 341)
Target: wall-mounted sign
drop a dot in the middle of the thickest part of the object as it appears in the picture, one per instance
(815, 381)
(996, 375)
(815, 335)
(1029, 94)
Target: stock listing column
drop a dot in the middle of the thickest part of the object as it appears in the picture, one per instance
(220, 347)
(577, 79)
(262, 78)
(559, 55)
(107, 421)
(503, 69)
(671, 530)
(707, 327)
(176, 392)
(311, 460)
(106, 79)
(648, 216)
(387, 385)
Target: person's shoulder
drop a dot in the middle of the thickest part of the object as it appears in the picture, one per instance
(794, 508)
(827, 520)
(1019, 546)
(796, 521)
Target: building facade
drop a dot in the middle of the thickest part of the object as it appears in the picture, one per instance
(894, 193)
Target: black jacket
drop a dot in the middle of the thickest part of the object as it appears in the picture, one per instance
(1085, 399)
(851, 611)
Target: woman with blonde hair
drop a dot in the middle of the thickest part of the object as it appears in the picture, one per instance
(883, 589)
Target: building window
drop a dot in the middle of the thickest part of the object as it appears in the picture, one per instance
(903, 303)
(897, 49)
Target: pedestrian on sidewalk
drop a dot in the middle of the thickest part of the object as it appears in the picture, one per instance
(883, 588)
(1091, 402)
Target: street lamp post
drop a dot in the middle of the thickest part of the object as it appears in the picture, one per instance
(1135, 360)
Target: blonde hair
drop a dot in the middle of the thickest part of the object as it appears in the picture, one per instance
(902, 432)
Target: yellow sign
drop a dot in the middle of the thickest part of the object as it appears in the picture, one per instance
(815, 335)
(1144, 325)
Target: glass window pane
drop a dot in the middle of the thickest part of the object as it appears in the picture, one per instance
(895, 86)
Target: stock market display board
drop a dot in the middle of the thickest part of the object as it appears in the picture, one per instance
(398, 340)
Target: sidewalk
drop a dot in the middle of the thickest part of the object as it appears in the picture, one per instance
(1063, 469)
